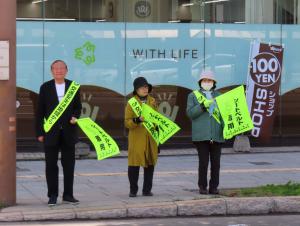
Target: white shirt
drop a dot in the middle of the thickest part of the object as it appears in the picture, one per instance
(60, 90)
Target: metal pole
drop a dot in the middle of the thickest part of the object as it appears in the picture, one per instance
(7, 102)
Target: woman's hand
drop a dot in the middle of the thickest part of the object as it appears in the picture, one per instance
(138, 120)
(73, 120)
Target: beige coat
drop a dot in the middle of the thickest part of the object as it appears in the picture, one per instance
(142, 149)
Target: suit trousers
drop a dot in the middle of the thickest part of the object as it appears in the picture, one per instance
(68, 165)
(133, 176)
(208, 151)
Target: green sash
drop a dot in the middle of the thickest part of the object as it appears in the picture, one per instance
(61, 107)
(137, 109)
(201, 98)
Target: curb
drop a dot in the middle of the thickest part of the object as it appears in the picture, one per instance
(203, 207)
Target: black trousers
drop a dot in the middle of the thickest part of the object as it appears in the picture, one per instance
(133, 176)
(208, 151)
(68, 164)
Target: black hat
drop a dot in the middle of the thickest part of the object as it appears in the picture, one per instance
(140, 82)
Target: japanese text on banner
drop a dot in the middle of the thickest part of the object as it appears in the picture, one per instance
(105, 146)
(263, 85)
(137, 109)
(234, 111)
(166, 127)
(61, 107)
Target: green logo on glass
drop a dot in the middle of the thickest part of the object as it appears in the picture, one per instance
(86, 53)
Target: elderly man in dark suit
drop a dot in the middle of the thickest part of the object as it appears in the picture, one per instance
(63, 134)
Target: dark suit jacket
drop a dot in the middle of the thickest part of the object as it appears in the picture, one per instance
(47, 102)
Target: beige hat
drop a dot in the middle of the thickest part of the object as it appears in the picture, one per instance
(208, 75)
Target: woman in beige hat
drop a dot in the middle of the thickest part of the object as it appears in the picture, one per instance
(207, 130)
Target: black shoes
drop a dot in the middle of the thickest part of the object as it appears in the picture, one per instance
(70, 199)
(52, 201)
(213, 191)
(67, 199)
(202, 191)
(144, 194)
(132, 195)
(147, 193)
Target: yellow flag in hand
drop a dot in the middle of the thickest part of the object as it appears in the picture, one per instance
(104, 144)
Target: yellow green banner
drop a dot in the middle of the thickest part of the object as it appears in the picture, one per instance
(234, 111)
(104, 144)
(61, 107)
(166, 127)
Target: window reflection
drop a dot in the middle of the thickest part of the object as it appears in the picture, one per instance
(29, 9)
(154, 11)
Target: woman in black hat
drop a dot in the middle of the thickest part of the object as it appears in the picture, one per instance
(142, 148)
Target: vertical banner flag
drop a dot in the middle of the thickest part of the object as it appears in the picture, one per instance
(105, 146)
(263, 84)
(166, 128)
(234, 111)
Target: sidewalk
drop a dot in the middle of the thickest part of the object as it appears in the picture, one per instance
(168, 152)
(102, 188)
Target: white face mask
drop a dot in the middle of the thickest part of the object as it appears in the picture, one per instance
(207, 85)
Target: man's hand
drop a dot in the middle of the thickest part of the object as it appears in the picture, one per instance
(207, 103)
(73, 120)
(41, 139)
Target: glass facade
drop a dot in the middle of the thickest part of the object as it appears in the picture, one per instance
(108, 43)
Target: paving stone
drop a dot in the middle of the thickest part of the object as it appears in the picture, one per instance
(155, 210)
(51, 214)
(287, 204)
(14, 216)
(98, 213)
(259, 205)
(204, 207)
